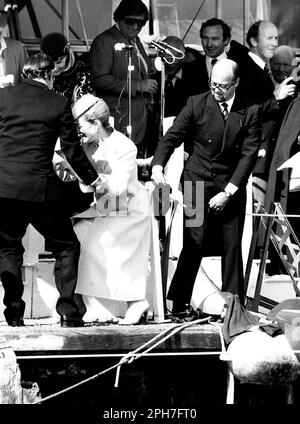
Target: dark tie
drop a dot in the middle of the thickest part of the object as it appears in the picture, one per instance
(225, 110)
(169, 84)
(213, 62)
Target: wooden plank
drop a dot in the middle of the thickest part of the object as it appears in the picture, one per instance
(106, 339)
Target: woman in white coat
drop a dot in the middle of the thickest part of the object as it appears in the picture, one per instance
(115, 231)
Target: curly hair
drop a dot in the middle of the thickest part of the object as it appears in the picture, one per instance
(38, 65)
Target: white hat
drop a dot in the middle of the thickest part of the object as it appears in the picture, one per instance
(85, 103)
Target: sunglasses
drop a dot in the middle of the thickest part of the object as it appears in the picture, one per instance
(65, 51)
(131, 21)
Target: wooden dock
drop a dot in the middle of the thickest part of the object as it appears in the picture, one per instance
(185, 371)
(42, 337)
(185, 368)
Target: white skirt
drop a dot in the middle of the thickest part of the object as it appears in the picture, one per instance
(114, 256)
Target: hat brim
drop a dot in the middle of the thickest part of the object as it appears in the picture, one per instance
(83, 105)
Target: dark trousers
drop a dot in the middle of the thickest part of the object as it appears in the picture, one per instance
(217, 234)
(49, 219)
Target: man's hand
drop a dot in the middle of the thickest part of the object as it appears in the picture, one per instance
(285, 89)
(218, 202)
(157, 175)
(149, 86)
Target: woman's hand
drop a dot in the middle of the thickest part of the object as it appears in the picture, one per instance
(157, 175)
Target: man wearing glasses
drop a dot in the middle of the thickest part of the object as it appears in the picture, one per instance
(224, 136)
(109, 57)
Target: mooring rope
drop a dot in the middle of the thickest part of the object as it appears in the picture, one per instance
(131, 356)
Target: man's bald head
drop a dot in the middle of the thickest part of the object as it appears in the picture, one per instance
(224, 79)
(225, 68)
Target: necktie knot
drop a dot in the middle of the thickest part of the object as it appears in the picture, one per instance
(213, 62)
(169, 82)
(225, 110)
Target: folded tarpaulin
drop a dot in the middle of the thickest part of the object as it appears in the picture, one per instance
(238, 320)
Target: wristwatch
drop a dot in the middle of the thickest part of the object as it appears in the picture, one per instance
(227, 194)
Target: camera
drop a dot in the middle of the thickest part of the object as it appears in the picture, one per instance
(297, 84)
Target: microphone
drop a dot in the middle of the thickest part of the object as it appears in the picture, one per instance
(122, 46)
(160, 45)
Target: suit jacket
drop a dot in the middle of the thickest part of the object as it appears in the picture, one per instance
(32, 117)
(256, 85)
(288, 134)
(194, 80)
(222, 152)
(109, 70)
(196, 75)
(14, 56)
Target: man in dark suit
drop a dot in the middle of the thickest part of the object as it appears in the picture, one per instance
(225, 135)
(177, 86)
(282, 65)
(215, 36)
(279, 188)
(32, 117)
(256, 84)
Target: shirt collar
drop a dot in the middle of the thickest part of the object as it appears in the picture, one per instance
(258, 60)
(178, 74)
(209, 59)
(229, 103)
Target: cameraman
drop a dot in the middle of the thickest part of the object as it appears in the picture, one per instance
(282, 65)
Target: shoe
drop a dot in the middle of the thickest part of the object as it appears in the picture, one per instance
(15, 322)
(14, 313)
(14, 316)
(179, 307)
(66, 321)
(186, 314)
(136, 313)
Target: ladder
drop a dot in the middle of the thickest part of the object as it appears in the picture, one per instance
(279, 231)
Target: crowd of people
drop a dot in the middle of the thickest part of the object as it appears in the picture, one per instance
(71, 141)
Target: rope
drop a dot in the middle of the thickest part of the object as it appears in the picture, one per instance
(193, 20)
(224, 354)
(130, 357)
(114, 355)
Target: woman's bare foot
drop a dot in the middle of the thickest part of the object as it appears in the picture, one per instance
(136, 309)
